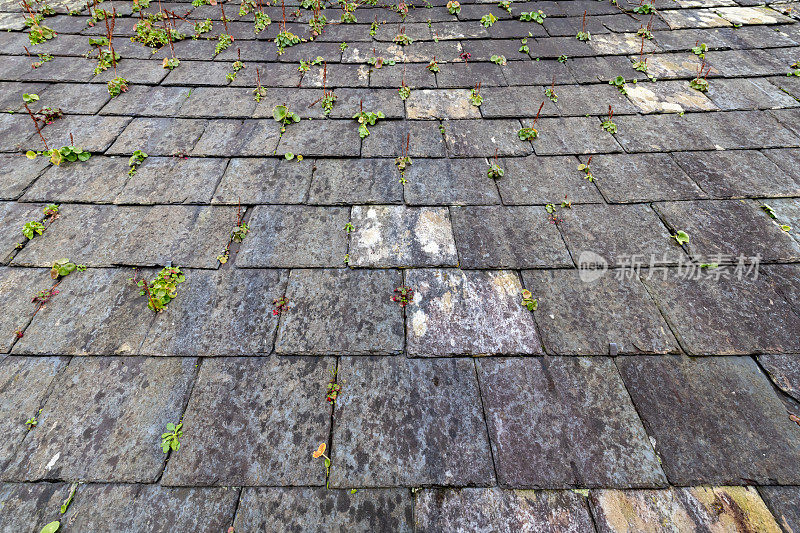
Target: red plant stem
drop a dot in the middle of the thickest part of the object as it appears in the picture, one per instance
(39, 131)
(537, 114)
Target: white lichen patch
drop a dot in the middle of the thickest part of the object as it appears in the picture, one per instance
(700, 18)
(668, 97)
(629, 43)
(752, 15)
(441, 103)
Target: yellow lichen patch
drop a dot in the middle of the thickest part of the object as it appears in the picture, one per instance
(645, 511)
(506, 283)
(751, 15)
(733, 509)
(677, 100)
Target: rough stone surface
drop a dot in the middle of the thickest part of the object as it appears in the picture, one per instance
(276, 414)
(714, 420)
(550, 418)
(543, 180)
(225, 312)
(713, 315)
(380, 442)
(397, 236)
(616, 303)
(501, 510)
(782, 501)
(455, 312)
(310, 509)
(784, 371)
(507, 237)
(340, 311)
(295, 236)
(132, 399)
(643, 178)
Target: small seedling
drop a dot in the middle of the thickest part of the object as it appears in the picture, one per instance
(64, 267)
(320, 452)
(170, 63)
(475, 97)
(699, 49)
(34, 227)
(201, 27)
(530, 133)
(505, 4)
(70, 497)
(282, 114)
(32, 422)
(499, 60)
(343, 46)
(117, 86)
(433, 66)
(454, 7)
(162, 290)
(646, 31)
(608, 124)
(583, 35)
(43, 297)
(333, 388)
(59, 155)
(584, 167)
(403, 295)
(495, 171)
(619, 83)
(531, 303)
(535, 16)
(769, 211)
(643, 9)
(488, 20)
(171, 439)
(525, 49)
(700, 83)
(550, 92)
(366, 118)
(562, 59)
(795, 69)
(402, 39)
(260, 21)
(259, 92)
(135, 160)
(281, 305)
(403, 161)
(404, 91)
(681, 237)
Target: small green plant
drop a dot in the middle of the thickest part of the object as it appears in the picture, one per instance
(643, 9)
(333, 388)
(587, 172)
(106, 59)
(348, 12)
(259, 92)
(201, 27)
(534, 16)
(499, 60)
(505, 4)
(402, 38)
(260, 22)
(524, 48)
(170, 63)
(640, 65)
(64, 267)
(433, 66)
(150, 33)
(59, 155)
(343, 46)
(135, 160)
(562, 59)
(475, 97)
(224, 40)
(327, 101)
(550, 92)
(286, 39)
(40, 33)
(531, 303)
(488, 20)
(619, 83)
(52, 527)
(282, 114)
(33, 421)
(281, 305)
(583, 35)
(43, 58)
(403, 295)
(306, 65)
(795, 69)
(608, 124)
(162, 290)
(454, 7)
(117, 86)
(681, 237)
(700, 83)
(404, 91)
(171, 439)
(700, 49)
(495, 171)
(769, 210)
(366, 118)
(403, 161)
(646, 31)
(530, 133)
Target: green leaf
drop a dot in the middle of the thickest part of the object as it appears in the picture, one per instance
(170, 426)
(84, 156)
(52, 527)
(279, 112)
(289, 156)
(682, 237)
(327, 463)
(30, 154)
